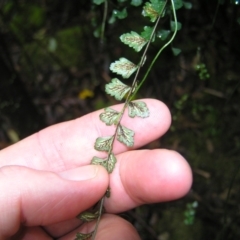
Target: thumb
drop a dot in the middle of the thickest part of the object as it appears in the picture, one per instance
(30, 197)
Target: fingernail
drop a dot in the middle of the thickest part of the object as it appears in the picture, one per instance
(80, 173)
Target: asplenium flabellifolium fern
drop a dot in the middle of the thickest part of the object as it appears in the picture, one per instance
(154, 10)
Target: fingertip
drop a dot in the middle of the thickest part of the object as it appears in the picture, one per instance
(160, 118)
(160, 111)
(177, 175)
(117, 228)
(171, 176)
(150, 176)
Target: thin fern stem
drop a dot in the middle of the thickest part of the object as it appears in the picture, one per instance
(104, 21)
(132, 88)
(99, 218)
(144, 56)
(128, 99)
(159, 52)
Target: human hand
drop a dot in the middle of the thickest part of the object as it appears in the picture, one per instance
(46, 179)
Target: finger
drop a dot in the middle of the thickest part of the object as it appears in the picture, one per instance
(147, 176)
(70, 144)
(110, 227)
(33, 198)
(142, 177)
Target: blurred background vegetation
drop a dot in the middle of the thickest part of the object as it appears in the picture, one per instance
(53, 68)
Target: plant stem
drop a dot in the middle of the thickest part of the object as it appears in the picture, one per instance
(104, 21)
(132, 91)
(99, 218)
(159, 52)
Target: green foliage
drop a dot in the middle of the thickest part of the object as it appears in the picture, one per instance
(136, 3)
(189, 213)
(67, 43)
(163, 34)
(178, 4)
(176, 51)
(52, 45)
(126, 68)
(88, 216)
(134, 40)
(138, 109)
(180, 103)
(64, 45)
(125, 136)
(103, 143)
(98, 2)
(123, 67)
(153, 9)
(174, 25)
(28, 18)
(187, 5)
(110, 116)
(117, 14)
(202, 71)
(117, 89)
(107, 163)
(147, 33)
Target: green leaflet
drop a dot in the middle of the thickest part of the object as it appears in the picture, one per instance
(163, 34)
(158, 5)
(123, 67)
(98, 2)
(117, 14)
(176, 51)
(149, 11)
(103, 143)
(178, 4)
(99, 161)
(138, 109)
(108, 164)
(125, 136)
(136, 3)
(111, 162)
(88, 216)
(187, 5)
(133, 40)
(109, 116)
(147, 32)
(83, 236)
(153, 9)
(120, 14)
(173, 25)
(117, 89)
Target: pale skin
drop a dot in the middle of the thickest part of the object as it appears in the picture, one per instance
(46, 179)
